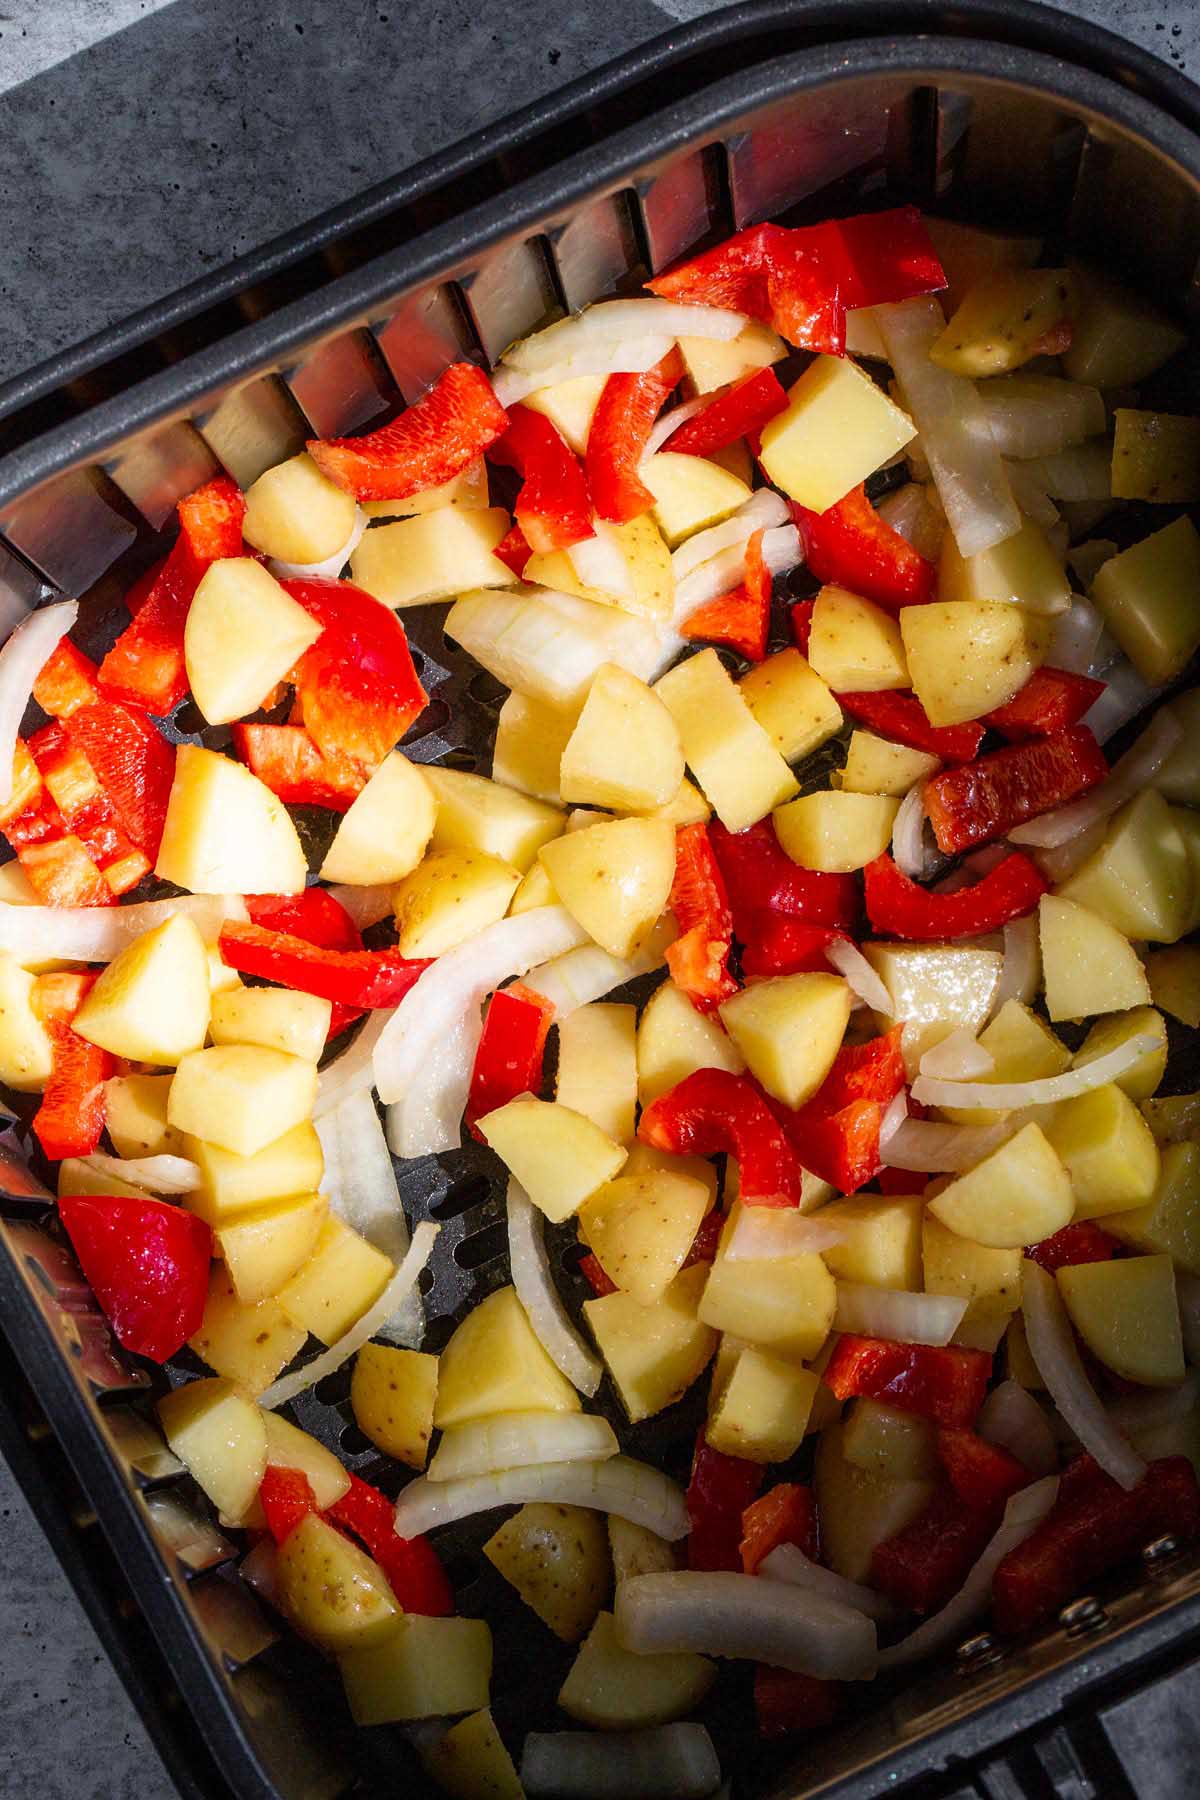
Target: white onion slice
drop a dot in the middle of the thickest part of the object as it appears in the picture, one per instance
(901, 1317)
(1125, 696)
(548, 645)
(366, 905)
(763, 1233)
(1012, 1418)
(1023, 1514)
(959, 1057)
(353, 1072)
(723, 1614)
(599, 562)
(1076, 639)
(1188, 1289)
(1047, 1092)
(22, 659)
(1039, 415)
(858, 974)
(376, 1316)
(894, 1116)
(159, 1174)
(1058, 865)
(909, 512)
(1052, 1346)
(761, 512)
(360, 1181)
(515, 1440)
(669, 423)
(619, 1484)
(1128, 776)
(1029, 492)
(1021, 970)
(632, 355)
(789, 1563)
(1081, 472)
(98, 933)
(1134, 1414)
(927, 1147)
(614, 321)
(950, 417)
(662, 1762)
(908, 834)
(428, 1117)
(781, 550)
(589, 973)
(530, 1267)
(329, 566)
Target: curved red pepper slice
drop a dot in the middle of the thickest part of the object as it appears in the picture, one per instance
(946, 1386)
(760, 877)
(787, 1514)
(411, 1565)
(928, 1561)
(699, 958)
(357, 686)
(148, 1264)
(712, 1110)
(904, 909)
(313, 914)
(360, 978)
(554, 508)
(742, 617)
(981, 1474)
(1081, 1242)
(902, 718)
(1051, 700)
(626, 410)
(734, 413)
(836, 1134)
(70, 1119)
(431, 442)
(984, 799)
(287, 1499)
(851, 545)
(511, 1051)
(720, 1490)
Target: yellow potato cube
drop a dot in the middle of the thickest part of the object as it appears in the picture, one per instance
(220, 976)
(243, 633)
(241, 1097)
(1174, 977)
(989, 1280)
(687, 807)
(393, 1394)
(834, 830)
(640, 1228)
(1127, 1313)
(881, 1241)
(1171, 1222)
(1179, 777)
(151, 1004)
(613, 1689)
(332, 1591)
(1018, 1195)
(859, 1508)
(674, 1040)
(530, 740)
(935, 988)
(624, 752)
(276, 1018)
(1156, 456)
(785, 1304)
(342, 1278)
(425, 1668)
(433, 556)
(1002, 319)
(495, 1364)
(894, 1445)
(690, 494)
(1107, 1149)
(26, 1053)
(875, 766)
(474, 813)
(536, 890)
(838, 429)
(597, 1067)
(295, 513)
(1119, 338)
(1173, 1120)
(653, 1353)
(469, 489)
(557, 1155)
(1140, 1081)
(1023, 1049)
(738, 767)
(713, 363)
(1149, 597)
(792, 704)
(789, 1029)
(967, 657)
(291, 1164)
(249, 1345)
(451, 896)
(135, 1116)
(763, 1410)
(1090, 966)
(1140, 878)
(384, 833)
(557, 1559)
(219, 1437)
(470, 1762)
(855, 647)
(225, 831)
(263, 1251)
(636, 1551)
(650, 590)
(1024, 570)
(290, 1448)
(569, 406)
(1187, 823)
(615, 879)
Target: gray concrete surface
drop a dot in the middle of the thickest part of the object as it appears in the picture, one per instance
(143, 142)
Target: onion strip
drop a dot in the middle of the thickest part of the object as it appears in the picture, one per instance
(857, 972)
(724, 1614)
(530, 1267)
(1021, 970)
(1012, 1418)
(763, 511)
(632, 1490)
(588, 973)
(668, 424)
(959, 1057)
(366, 905)
(360, 1180)
(615, 321)
(781, 551)
(22, 660)
(626, 356)
(599, 562)
(1135, 770)
(159, 1174)
(908, 834)
(899, 1317)
(1052, 1346)
(928, 1147)
(516, 1440)
(762, 1233)
(788, 1563)
(1046, 1092)
(98, 933)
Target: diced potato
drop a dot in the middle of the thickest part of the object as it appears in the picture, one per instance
(1179, 777)
(690, 494)
(469, 1761)
(241, 1097)
(838, 429)
(1175, 1119)
(469, 488)
(250, 1345)
(474, 813)
(264, 1250)
(1140, 1081)
(135, 1116)
(1149, 597)
(763, 1409)
(713, 363)
(495, 1364)
(615, 879)
(219, 1437)
(393, 1394)
(451, 896)
(967, 657)
(640, 1228)
(151, 1004)
(1107, 1149)
(229, 1183)
(1118, 338)
(643, 1158)
(674, 1040)
(425, 1668)
(1002, 320)
(530, 740)
(276, 1018)
(789, 1029)
(1174, 977)
(536, 889)
(612, 1689)
(433, 556)
(636, 1551)
(792, 704)
(885, 1442)
(1156, 457)
(653, 1353)
(875, 766)
(859, 1508)
(342, 1278)
(243, 633)
(1187, 823)
(969, 254)
(597, 1067)
(853, 646)
(935, 988)
(290, 1448)
(1127, 1313)
(881, 1240)
(647, 562)
(295, 513)
(557, 1559)
(624, 752)
(687, 806)
(75, 1176)
(730, 754)
(333, 1592)
(225, 831)
(1140, 878)
(836, 831)
(785, 1304)
(558, 1156)
(1089, 965)
(1170, 1224)
(221, 978)
(385, 832)
(1023, 1048)
(1018, 1195)
(1024, 569)
(26, 1053)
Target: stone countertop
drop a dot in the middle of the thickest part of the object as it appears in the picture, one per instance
(143, 143)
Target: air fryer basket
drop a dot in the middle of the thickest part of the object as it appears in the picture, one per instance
(369, 309)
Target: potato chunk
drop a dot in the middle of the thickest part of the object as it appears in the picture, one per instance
(451, 896)
(530, 740)
(989, 1280)
(1090, 965)
(1127, 1314)
(343, 1277)
(785, 1304)
(1019, 1194)
(690, 493)
(225, 831)
(653, 1353)
(432, 557)
(934, 988)
(875, 766)
(854, 646)
(290, 1448)
(836, 831)
(1140, 1081)
(674, 1040)
(26, 1053)
(615, 878)
(384, 833)
(277, 1018)
(229, 1183)
(886, 1442)
(265, 1249)
(476, 814)
(859, 1508)
(763, 1407)
(250, 1345)
(470, 1762)
(1170, 1222)
(241, 1096)
(733, 758)
(1023, 569)
(1149, 596)
(1119, 338)
(393, 1394)
(1156, 457)
(495, 1364)
(789, 1029)
(792, 704)
(295, 513)
(649, 591)
(624, 752)
(640, 1228)
(557, 1155)
(424, 1668)
(135, 1116)
(597, 1067)
(1140, 878)
(243, 633)
(151, 1004)
(612, 1689)
(838, 428)
(881, 1240)
(967, 657)
(331, 1591)
(1002, 320)
(1107, 1149)
(219, 1437)
(556, 1557)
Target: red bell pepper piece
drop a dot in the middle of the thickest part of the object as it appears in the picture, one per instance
(851, 546)
(699, 958)
(1082, 1242)
(362, 978)
(981, 1474)
(1093, 1526)
(947, 1386)
(902, 907)
(287, 761)
(704, 1244)
(58, 867)
(733, 413)
(760, 877)
(287, 1499)
(511, 1050)
(984, 799)
(70, 1119)
(732, 274)
(553, 508)
(66, 681)
(626, 410)
(742, 617)
(888, 256)
(313, 914)
(902, 718)
(357, 687)
(514, 550)
(431, 442)
(134, 764)
(785, 1701)
(211, 519)
(720, 1490)
(711, 1110)
(928, 1561)
(87, 811)
(411, 1565)
(870, 1071)
(787, 1514)
(902, 1181)
(801, 619)
(600, 1283)
(148, 1264)
(777, 945)
(836, 1134)
(1051, 700)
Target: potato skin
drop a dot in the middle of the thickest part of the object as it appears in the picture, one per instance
(392, 1393)
(557, 1559)
(331, 1591)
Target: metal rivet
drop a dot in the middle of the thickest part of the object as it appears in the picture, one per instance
(1084, 1614)
(1161, 1548)
(975, 1652)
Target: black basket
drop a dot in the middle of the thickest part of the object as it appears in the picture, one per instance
(1020, 116)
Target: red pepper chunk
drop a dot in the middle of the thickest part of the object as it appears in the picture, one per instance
(1093, 1526)
(313, 914)
(712, 1110)
(785, 1515)
(946, 1386)
(87, 811)
(981, 1474)
(902, 718)
(511, 1050)
(781, 946)
(356, 686)
(733, 413)
(742, 617)
(514, 550)
(889, 256)
(626, 410)
(430, 443)
(1051, 700)
(785, 1701)
(554, 508)
(1082, 1242)
(147, 1263)
(211, 519)
(134, 764)
(363, 978)
(720, 1490)
(760, 877)
(836, 1134)
(801, 619)
(902, 907)
(287, 1499)
(699, 959)
(411, 1565)
(600, 1283)
(286, 760)
(984, 799)
(928, 1561)
(66, 681)
(70, 1119)
(850, 545)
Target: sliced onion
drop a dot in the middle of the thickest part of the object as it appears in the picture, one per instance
(1023, 1514)
(589, 973)
(21, 662)
(260, 1570)
(159, 1174)
(789, 1563)
(1133, 772)
(1060, 864)
(903, 1318)
(858, 974)
(1039, 415)
(1052, 1346)
(666, 426)
(763, 1233)
(1077, 636)
(632, 355)
(375, 1317)
(619, 1484)
(429, 1117)
(515, 1440)
(1124, 697)
(955, 437)
(919, 523)
(928, 1147)
(98, 933)
(360, 1180)
(894, 1116)
(761, 512)
(1012, 1418)
(353, 1072)
(959, 1057)
(908, 834)
(530, 1267)
(1081, 472)
(366, 905)
(1029, 492)
(330, 566)
(1047, 1092)
(1021, 970)
(599, 561)
(662, 1762)
(548, 645)
(615, 321)
(1134, 1414)
(1188, 1289)
(724, 1614)
(781, 550)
